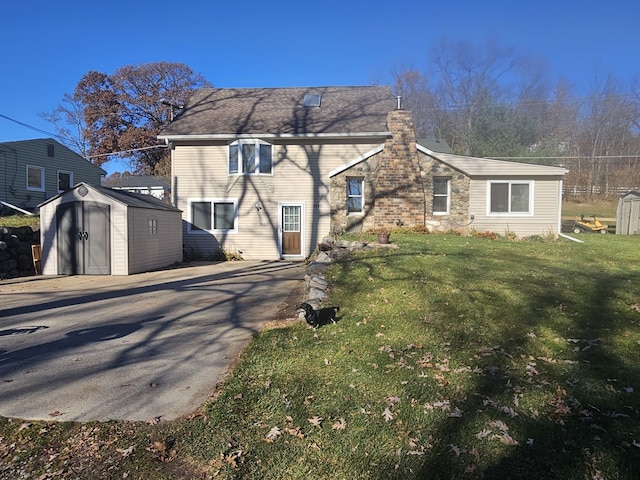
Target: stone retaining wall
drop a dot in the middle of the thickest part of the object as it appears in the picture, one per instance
(16, 259)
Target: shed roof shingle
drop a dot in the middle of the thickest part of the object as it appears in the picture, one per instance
(281, 111)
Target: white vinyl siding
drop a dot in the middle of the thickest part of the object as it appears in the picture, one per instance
(201, 171)
(545, 207)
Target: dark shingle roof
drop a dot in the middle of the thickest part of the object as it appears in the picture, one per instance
(130, 199)
(281, 111)
(435, 144)
(137, 181)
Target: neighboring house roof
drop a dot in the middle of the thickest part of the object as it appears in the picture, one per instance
(280, 112)
(124, 197)
(474, 166)
(138, 181)
(435, 144)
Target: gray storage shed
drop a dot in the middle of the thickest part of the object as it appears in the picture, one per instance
(100, 231)
(628, 214)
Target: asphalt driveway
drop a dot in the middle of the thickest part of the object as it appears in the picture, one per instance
(139, 347)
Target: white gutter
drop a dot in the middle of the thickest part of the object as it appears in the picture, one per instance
(229, 136)
(16, 208)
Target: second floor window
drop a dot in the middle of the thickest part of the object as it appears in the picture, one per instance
(250, 158)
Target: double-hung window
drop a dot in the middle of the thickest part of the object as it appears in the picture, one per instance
(441, 187)
(213, 215)
(250, 158)
(35, 178)
(510, 197)
(355, 195)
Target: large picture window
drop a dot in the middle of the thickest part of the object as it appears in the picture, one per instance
(441, 195)
(35, 178)
(212, 215)
(355, 195)
(250, 157)
(510, 197)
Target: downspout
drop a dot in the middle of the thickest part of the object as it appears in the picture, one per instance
(172, 183)
(570, 238)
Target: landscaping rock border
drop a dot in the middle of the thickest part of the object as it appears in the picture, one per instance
(316, 285)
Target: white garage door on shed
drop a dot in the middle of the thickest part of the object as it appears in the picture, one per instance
(92, 230)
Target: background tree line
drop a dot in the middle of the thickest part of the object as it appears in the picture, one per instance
(484, 100)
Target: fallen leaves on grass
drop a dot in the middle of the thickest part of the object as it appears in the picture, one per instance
(273, 434)
(316, 421)
(387, 414)
(340, 424)
(125, 452)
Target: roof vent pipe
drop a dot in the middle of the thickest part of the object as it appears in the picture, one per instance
(399, 99)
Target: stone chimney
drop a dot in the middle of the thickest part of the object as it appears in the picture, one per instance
(400, 196)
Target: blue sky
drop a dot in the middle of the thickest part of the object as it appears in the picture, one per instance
(46, 46)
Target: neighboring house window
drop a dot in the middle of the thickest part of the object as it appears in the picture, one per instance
(250, 157)
(65, 180)
(35, 178)
(510, 197)
(213, 215)
(355, 195)
(50, 150)
(153, 226)
(441, 195)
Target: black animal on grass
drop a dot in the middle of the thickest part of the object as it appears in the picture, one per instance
(317, 318)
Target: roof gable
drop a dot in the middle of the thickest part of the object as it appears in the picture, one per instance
(281, 112)
(61, 151)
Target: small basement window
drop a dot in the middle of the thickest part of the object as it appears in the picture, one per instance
(312, 100)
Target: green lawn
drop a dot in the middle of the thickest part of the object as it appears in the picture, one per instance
(453, 358)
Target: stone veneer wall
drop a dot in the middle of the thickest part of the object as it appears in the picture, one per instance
(458, 218)
(340, 220)
(398, 185)
(399, 196)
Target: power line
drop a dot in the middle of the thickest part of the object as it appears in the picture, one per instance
(30, 126)
(127, 151)
(578, 157)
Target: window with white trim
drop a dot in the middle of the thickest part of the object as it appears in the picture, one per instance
(65, 180)
(510, 198)
(355, 195)
(441, 198)
(251, 157)
(213, 215)
(35, 178)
